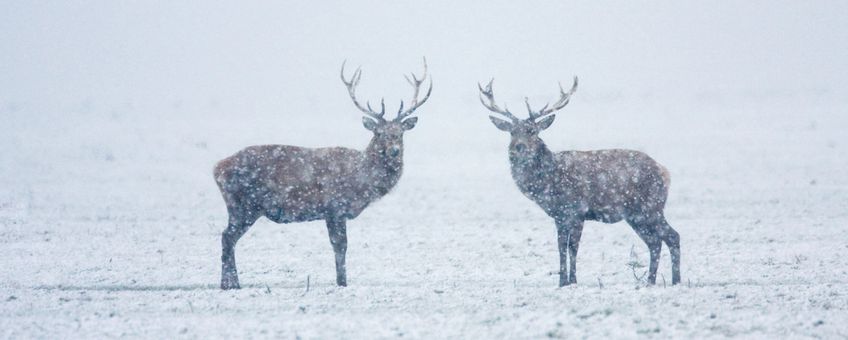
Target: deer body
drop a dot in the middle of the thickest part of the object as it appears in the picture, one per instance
(575, 186)
(294, 184)
(604, 185)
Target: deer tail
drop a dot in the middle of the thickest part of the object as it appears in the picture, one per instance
(666, 177)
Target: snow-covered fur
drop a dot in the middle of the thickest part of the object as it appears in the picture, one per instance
(295, 184)
(575, 186)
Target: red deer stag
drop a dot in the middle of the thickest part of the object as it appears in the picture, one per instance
(295, 184)
(575, 186)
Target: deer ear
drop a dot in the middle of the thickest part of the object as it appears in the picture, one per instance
(501, 124)
(369, 123)
(409, 123)
(546, 123)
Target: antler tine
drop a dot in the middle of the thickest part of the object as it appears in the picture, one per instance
(416, 103)
(342, 73)
(382, 107)
(415, 81)
(401, 107)
(351, 89)
(564, 98)
(416, 84)
(492, 106)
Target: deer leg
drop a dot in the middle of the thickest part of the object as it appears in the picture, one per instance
(573, 244)
(672, 240)
(649, 234)
(238, 225)
(567, 229)
(337, 229)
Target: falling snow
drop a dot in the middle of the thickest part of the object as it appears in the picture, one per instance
(111, 219)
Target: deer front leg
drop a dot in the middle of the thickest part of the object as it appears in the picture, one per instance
(573, 244)
(239, 223)
(569, 231)
(337, 229)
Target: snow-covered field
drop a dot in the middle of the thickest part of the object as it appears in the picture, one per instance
(112, 115)
(111, 226)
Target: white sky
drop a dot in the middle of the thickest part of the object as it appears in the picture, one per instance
(268, 54)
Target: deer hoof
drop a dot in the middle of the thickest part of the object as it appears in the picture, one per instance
(229, 283)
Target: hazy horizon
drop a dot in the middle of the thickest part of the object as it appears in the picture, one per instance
(271, 56)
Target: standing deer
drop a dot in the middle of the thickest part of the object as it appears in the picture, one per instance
(575, 186)
(295, 184)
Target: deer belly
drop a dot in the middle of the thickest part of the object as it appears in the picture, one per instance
(347, 206)
(605, 214)
(294, 208)
(281, 215)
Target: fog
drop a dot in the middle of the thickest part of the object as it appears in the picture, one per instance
(284, 57)
(114, 113)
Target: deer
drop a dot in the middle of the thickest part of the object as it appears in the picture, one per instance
(577, 186)
(288, 184)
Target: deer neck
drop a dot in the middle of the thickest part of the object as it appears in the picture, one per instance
(533, 173)
(381, 172)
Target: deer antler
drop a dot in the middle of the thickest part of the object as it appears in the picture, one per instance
(351, 88)
(564, 97)
(492, 106)
(415, 103)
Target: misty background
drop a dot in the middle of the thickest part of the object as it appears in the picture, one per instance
(113, 113)
(128, 102)
(284, 57)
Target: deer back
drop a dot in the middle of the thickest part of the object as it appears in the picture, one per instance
(289, 183)
(610, 185)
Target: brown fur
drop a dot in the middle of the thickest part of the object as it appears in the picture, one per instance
(294, 184)
(574, 186)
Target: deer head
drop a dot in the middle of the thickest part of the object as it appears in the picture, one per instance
(525, 143)
(388, 134)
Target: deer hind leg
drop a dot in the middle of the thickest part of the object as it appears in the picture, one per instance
(239, 223)
(568, 238)
(672, 240)
(337, 230)
(648, 232)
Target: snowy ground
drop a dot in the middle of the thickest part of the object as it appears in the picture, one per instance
(110, 225)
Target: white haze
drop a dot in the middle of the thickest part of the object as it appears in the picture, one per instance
(284, 57)
(113, 113)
